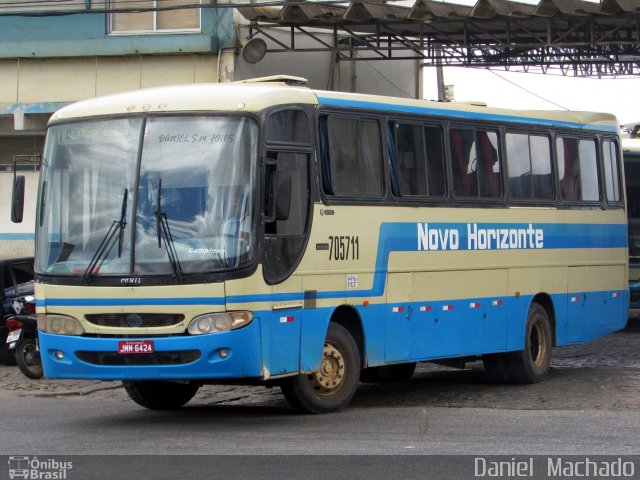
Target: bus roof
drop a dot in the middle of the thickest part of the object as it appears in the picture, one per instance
(253, 96)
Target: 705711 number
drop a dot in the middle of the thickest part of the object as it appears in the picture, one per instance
(344, 247)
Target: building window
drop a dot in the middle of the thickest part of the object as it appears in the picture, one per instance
(155, 20)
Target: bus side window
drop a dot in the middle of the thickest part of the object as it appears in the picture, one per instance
(611, 170)
(463, 162)
(567, 151)
(475, 163)
(542, 176)
(489, 179)
(435, 161)
(417, 160)
(578, 166)
(529, 164)
(589, 170)
(352, 155)
(411, 161)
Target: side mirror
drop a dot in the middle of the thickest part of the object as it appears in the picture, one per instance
(283, 195)
(17, 199)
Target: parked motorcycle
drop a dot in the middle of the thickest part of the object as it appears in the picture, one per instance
(23, 339)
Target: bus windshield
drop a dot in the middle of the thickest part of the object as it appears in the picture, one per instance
(147, 196)
(632, 180)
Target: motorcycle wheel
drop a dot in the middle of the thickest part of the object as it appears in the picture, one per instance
(28, 358)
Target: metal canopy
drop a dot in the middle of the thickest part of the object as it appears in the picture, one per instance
(572, 37)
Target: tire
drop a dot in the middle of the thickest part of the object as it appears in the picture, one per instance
(331, 388)
(160, 395)
(496, 368)
(531, 365)
(396, 373)
(28, 358)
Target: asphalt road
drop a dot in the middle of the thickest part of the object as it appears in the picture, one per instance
(589, 405)
(95, 427)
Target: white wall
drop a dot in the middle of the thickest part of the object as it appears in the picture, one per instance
(396, 78)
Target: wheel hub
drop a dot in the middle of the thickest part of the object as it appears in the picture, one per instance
(332, 371)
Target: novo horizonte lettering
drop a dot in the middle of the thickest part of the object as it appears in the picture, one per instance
(479, 238)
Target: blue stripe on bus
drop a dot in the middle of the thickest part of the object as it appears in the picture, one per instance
(463, 115)
(394, 237)
(17, 236)
(448, 329)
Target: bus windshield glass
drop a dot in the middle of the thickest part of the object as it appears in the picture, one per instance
(632, 180)
(165, 195)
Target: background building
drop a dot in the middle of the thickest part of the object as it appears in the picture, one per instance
(53, 54)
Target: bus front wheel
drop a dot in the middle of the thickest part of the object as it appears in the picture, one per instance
(159, 395)
(331, 388)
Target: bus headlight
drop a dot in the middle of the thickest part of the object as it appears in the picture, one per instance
(219, 322)
(59, 324)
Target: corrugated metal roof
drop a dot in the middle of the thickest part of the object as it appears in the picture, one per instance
(423, 10)
(585, 37)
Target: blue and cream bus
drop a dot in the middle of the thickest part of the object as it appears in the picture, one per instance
(262, 232)
(631, 155)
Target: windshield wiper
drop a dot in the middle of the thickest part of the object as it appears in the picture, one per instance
(164, 232)
(116, 231)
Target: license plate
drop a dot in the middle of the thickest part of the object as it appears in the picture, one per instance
(130, 347)
(13, 336)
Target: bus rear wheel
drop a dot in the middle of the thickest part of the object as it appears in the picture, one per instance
(530, 365)
(160, 395)
(331, 388)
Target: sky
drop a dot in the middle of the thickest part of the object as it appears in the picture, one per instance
(499, 88)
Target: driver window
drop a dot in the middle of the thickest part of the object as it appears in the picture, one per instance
(285, 239)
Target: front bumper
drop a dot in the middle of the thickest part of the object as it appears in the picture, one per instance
(174, 358)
